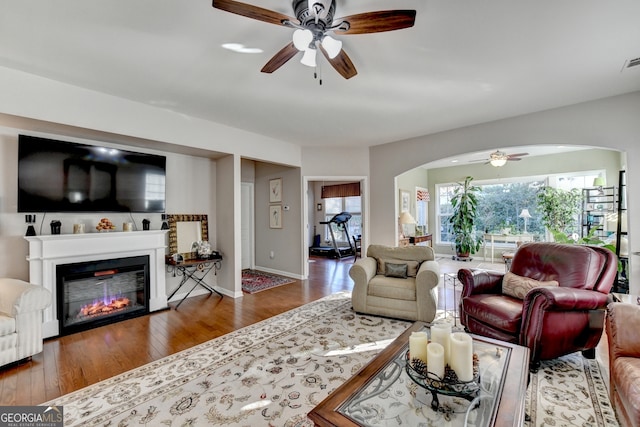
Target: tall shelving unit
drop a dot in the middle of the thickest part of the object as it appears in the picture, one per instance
(622, 247)
(599, 204)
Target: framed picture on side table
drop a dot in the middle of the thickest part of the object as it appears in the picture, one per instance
(275, 216)
(275, 190)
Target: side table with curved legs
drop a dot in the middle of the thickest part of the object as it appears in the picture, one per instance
(194, 270)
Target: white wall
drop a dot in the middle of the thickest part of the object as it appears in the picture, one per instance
(30, 96)
(278, 250)
(610, 123)
(228, 224)
(335, 161)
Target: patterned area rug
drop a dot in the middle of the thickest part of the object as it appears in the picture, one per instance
(274, 372)
(255, 281)
(570, 391)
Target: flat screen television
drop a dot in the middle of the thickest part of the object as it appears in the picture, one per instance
(59, 176)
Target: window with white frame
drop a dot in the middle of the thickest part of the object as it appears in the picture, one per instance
(501, 201)
(422, 203)
(336, 205)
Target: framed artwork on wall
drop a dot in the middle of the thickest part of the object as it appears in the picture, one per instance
(275, 216)
(405, 201)
(275, 190)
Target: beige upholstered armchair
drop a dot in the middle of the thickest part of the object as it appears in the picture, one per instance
(21, 306)
(396, 282)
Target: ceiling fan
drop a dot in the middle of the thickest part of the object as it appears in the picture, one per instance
(314, 25)
(500, 158)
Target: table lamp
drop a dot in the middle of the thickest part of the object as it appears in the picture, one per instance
(526, 215)
(406, 219)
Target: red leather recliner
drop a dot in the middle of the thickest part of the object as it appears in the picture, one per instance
(550, 321)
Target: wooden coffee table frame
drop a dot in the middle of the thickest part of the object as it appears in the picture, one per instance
(512, 397)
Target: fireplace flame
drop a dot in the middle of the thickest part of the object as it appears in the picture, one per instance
(102, 307)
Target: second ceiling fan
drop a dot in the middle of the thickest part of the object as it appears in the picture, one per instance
(500, 158)
(314, 25)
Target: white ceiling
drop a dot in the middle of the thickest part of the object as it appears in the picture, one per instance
(464, 62)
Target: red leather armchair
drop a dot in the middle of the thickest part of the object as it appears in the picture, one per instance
(550, 321)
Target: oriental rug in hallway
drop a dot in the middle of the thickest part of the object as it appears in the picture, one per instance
(274, 372)
(255, 281)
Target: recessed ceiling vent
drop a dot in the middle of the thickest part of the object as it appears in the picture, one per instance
(631, 63)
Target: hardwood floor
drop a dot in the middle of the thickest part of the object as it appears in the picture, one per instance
(75, 361)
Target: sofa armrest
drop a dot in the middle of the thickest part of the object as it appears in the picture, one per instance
(565, 299)
(428, 276)
(623, 321)
(558, 320)
(476, 281)
(18, 296)
(362, 271)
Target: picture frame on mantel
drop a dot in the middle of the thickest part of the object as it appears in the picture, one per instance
(275, 190)
(275, 216)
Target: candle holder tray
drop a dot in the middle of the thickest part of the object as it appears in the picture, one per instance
(450, 385)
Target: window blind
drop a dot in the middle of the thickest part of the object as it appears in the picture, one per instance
(341, 190)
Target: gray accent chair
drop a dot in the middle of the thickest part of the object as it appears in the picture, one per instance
(21, 308)
(381, 288)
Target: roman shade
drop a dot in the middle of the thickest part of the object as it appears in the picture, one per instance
(341, 190)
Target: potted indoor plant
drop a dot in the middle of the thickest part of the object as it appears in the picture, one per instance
(559, 209)
(465, 211)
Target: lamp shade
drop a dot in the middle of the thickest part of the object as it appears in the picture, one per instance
(598, 182)
(525, 214)
(406, 218)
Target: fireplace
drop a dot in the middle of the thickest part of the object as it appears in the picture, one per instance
(95, 293)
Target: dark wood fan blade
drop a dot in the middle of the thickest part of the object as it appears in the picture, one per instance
(342, 63)
(511, 156)
(280, 58)
(250, 11)
(377, 22)
(513, 159)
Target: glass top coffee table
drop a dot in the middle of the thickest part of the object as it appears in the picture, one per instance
(383, 394)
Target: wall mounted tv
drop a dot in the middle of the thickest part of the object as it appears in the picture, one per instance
(58, 176)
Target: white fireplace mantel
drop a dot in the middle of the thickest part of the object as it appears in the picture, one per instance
(49, 251)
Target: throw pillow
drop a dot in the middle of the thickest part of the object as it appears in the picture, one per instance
(412, 266)
(518, 286)
(395, 270)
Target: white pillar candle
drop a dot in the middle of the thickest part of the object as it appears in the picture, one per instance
(440, 333)
(435, 354)
(418, 346)
(462, 355)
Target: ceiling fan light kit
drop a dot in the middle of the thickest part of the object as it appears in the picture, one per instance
(314, 24)
(332, 46)
(498, 159)
(309, 58)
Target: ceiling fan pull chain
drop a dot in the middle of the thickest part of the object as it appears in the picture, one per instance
(318, 73)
